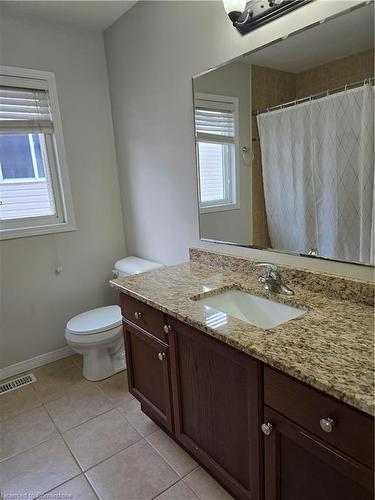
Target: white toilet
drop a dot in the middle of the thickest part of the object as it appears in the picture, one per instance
(97, 334)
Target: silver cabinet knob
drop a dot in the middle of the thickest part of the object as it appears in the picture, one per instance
(167, 328)
(327, 424)
(266, 428)
(161, 356)
(138, 315)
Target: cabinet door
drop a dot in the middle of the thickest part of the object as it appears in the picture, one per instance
(298, 465)
(216, 401)
(148, 373)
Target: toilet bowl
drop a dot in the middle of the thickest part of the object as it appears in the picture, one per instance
(98, 335)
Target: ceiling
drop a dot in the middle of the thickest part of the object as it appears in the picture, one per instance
(342, 36)
(93, 15)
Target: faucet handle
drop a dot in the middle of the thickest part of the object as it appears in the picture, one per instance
(268, 265)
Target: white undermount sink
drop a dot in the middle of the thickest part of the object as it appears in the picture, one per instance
(255, 310)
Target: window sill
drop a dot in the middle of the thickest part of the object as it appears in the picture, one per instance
(24, 232)
(219, 208)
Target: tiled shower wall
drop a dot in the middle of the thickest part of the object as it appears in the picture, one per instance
(270, 87)
(336, 74)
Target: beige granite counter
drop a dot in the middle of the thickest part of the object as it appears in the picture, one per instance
(331, 347)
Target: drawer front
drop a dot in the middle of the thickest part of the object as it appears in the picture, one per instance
(144, 316)
(352, 432)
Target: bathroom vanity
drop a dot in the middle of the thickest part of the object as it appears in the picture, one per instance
(272, 394)
(284, 413)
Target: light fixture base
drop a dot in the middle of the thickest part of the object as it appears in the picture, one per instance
(260, 12)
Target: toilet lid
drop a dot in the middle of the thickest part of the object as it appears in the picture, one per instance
(95, 321)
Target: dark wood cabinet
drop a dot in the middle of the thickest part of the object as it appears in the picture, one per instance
(148, 373)
(298, 465)
(212, 399)
(216, 404)
(352, 431)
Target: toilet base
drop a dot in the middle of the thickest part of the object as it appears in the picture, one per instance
(98, 364)
(103, 354)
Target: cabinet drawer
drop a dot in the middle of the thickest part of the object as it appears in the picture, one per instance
(142, 315)
(352, 431)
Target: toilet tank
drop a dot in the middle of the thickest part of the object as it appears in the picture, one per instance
(133, 265)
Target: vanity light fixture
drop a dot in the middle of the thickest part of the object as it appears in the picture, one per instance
(247, 16)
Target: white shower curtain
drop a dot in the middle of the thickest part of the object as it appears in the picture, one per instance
(318, 175)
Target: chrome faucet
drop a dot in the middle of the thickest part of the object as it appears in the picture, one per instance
(272, 280)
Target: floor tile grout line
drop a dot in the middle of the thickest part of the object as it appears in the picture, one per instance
(75, 387)
(192, 488)
(95, 416)
(166, 489)
(104, 459)
(3, 419)
(85, 421)
(37, 444)
(181, 479)
(60, 433)
(144, 437)
(166, 460)
(117, 452)
(92, 487)
(58, 485)
(84, 471)
(66, 444)
(28, 449)
(126, 448)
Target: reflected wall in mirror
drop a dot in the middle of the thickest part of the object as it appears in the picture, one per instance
(285, 144)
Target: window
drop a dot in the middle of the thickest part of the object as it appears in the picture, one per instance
(216, 142)
(34, 186)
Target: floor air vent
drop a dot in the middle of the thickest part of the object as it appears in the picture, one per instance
(12, 385)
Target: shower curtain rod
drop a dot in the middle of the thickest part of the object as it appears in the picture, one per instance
(318, 95)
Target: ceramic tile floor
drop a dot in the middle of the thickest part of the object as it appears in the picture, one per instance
(64, 437)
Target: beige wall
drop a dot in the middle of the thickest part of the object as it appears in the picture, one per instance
(36, 302)
(152, 53)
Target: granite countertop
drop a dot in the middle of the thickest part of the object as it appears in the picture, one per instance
(330, 348)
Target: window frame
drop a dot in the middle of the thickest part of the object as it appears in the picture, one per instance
(234, 178)
(57, 173)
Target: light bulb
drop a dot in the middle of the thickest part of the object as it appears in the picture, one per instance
(234, 5)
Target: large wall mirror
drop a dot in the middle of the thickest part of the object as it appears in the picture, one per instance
(285, 143)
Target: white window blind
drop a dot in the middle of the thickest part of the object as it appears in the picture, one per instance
(215, 126)
(24, 109)
(215, 122)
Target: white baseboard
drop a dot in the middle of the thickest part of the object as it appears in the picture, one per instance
(29, 364)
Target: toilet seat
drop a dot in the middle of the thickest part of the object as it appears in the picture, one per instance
(100, 338)
(95, 322)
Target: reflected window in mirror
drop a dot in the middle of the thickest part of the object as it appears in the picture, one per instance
(216, 120)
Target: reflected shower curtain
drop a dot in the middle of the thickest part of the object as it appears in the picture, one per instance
(318, 175)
